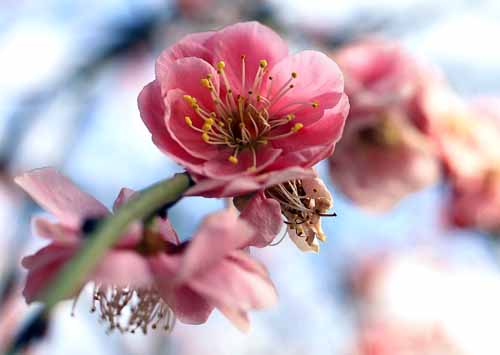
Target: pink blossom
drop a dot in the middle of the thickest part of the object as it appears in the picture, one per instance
(385, 153)
(467, 135)
(232, 107)
(151, 264)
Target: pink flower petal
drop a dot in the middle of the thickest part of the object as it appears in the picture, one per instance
(223, 188)
(124, 195)
(58, 195)
(219, 234)
(233, 286)
(43, 267)
(326, 131)
(255, 42)
(238, 317)
(264, 215)
(220, 167)
(305, 158)
(246, 184)
(123, 268)
(186, 137)
(188, 306)
(242, 259)
(186, 74)
(152, 112)
(318, 79)
(190, 46)
(167, 231)
(54, 231)
(278, 177)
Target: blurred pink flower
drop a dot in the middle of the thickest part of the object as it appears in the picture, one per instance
(395, 339)
(468, 136)
(232, 106)
(149, 270)
(421, 301)
(385, 153)
(301, 202)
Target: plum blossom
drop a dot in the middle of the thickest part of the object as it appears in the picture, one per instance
(234, 107)
(149, 272)
(301, 203)
(467, 135)
(385, 152)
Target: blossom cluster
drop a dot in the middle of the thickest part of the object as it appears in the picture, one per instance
(248, 122)
(408, 129)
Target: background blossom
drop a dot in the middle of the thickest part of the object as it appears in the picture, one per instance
(384, 154)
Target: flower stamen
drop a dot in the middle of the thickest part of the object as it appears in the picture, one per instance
(243, 121)
(127, 310)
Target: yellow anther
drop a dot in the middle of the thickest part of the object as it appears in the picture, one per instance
(221, 65)
(315, 104)
(242, 125)
(252, 169)
(297, 127)
(213, 114)
(290, 117)
(191, 100)
(209, 76)
(294, 74)
(206, 83)
(221, 124)
(208, 124)
(233, 159)
(188, 121)
(258, 98)
(263, 141)
(263, 63)
(205, 137)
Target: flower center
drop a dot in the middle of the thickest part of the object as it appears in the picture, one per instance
(245, 120)
(129, 310)
(302, 212)
(383, 133)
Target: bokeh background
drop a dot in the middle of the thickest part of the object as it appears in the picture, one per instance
(70, 73)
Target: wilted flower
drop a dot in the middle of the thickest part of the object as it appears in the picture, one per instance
(149, 272)
(232, 106)
(301, 202)
(385, 153)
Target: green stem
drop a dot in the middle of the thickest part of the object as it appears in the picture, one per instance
(145, 204)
